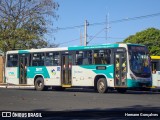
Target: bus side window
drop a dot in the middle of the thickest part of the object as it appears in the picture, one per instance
(52, 59)
(97, 59)
(102, 56)
(83, 57)
(108, 56)
(12, 60)
(85, 61)
(87, 57)
(38, 59)
(79, 61)
(79, 57)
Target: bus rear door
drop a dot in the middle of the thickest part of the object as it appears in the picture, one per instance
(23, 63)
(66, 62)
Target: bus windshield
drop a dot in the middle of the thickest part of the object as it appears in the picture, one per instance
(139, 61)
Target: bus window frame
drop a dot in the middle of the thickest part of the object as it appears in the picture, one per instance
(75, 60)
(32, 58)
(105, 49)
(92, 62)
(59, 61)
(157, 62)
(17, 59)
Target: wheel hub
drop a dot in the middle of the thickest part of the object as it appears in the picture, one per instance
(101, 86)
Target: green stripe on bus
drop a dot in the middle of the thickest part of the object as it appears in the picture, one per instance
(108, 71)
(94, 47)
(134, 83)
(23, 51)
(38, 70)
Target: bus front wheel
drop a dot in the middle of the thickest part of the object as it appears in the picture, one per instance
(102, 85)
(39, 84)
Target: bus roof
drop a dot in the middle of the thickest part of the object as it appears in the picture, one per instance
(39, 50)
(110, 45)
(155, 57)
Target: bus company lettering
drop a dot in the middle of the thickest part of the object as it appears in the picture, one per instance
(11, 73)
(78, 71)
(38, 69)
(53, 72)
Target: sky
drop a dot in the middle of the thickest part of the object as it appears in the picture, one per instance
(75, 12)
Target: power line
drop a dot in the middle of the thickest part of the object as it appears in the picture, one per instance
(97, 34)
(111, 22)
(101, 23)
(69, 41)
(91, 38)
(135, 18)
(107, 37)
(66, 28)
(128, 19)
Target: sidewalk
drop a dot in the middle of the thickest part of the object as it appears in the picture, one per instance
(5, 85)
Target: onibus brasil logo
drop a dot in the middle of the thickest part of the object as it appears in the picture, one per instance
(53, 72)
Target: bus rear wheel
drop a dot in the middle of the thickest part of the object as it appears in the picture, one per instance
(39, 84)
(102, 85)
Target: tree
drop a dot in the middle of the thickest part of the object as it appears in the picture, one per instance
(149, 37)
(23, 23)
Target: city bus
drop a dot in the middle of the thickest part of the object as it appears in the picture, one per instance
(116, 66)
(155, 71)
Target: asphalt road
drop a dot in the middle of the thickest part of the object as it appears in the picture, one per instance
(77, 100)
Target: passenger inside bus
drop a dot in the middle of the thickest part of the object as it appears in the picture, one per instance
(145, 67)
(85, 61)
(154, 71)
(97, 60)
(79, 59)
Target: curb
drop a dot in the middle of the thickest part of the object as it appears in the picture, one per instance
(3, 86)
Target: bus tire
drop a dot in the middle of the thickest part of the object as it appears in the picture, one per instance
(39, 84)
(102, 85)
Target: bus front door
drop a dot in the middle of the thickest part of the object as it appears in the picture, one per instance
(120, 74)
(23, 63)
(66, 69)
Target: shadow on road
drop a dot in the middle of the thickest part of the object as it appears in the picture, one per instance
(88, 90)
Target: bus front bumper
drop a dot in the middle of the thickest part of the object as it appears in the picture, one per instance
(139, 83)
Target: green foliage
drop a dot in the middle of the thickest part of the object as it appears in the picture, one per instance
(149, 37)
(23, 23)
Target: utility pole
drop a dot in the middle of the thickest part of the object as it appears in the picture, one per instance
(85, 32)
(81, 38)
(107, 26)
